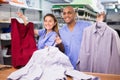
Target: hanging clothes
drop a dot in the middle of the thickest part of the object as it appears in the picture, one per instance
(100, 50)
(23, 43)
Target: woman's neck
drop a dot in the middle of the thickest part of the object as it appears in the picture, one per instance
(48, 31)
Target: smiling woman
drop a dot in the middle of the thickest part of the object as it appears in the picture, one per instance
(48, 34)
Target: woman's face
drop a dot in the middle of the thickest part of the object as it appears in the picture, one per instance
(49, 23)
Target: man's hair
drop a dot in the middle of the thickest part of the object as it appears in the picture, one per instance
(68, 6)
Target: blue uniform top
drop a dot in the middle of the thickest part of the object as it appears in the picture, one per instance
(72, 40)
(46, 39)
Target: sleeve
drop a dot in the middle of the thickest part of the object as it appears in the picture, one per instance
(114, 66)
(118, 43)
(40, 32)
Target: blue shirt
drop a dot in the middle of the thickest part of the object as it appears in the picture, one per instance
(46, 39)
(72, 40)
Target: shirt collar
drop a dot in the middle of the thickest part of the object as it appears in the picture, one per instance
(99, 27)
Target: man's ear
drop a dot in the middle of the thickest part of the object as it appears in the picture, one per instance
(76, 15)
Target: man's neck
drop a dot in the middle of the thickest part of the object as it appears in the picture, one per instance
(71, 26)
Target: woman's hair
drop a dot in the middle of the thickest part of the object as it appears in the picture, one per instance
(55, 28)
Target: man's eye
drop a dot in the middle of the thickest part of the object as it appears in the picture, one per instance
(64, 13)
(67, 13)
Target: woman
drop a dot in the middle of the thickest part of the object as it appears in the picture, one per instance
(48, 36)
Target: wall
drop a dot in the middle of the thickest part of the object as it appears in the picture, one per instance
(46, 7)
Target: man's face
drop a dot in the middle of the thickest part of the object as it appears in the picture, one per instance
(68, 14)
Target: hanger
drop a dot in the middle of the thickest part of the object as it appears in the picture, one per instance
(98, 25)
(17, 18)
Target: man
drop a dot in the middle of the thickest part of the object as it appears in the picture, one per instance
(71, 34)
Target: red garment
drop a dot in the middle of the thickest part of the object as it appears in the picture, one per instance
(23, 43)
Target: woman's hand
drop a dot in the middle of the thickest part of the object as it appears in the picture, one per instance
(20, 14)
(58, 40)
(59, 44)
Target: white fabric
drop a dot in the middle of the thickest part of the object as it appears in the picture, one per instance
(45, 64)
(77, 75)
(5, 36)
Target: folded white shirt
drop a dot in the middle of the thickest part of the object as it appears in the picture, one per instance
(5, 36)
